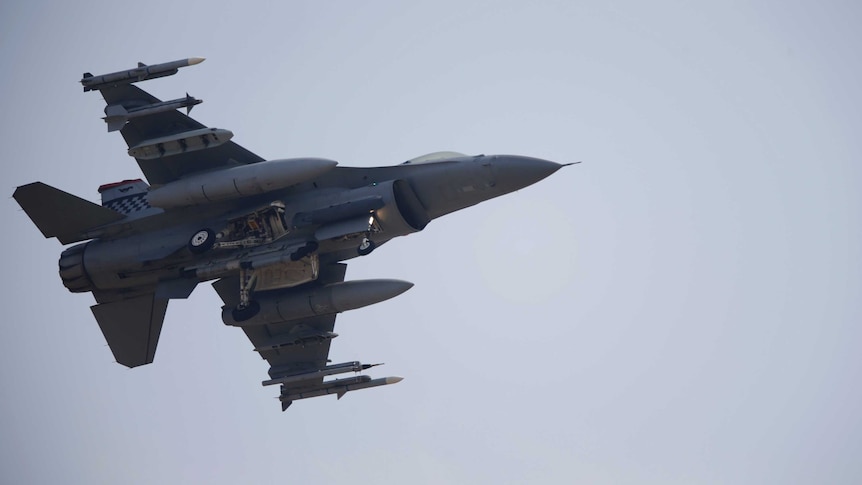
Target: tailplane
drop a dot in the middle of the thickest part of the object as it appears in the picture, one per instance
(132, 327)
(60, 214)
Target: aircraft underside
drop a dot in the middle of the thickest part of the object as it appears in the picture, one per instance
(272, 234)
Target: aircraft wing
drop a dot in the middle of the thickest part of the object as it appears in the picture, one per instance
(152, 133)
(297, 350)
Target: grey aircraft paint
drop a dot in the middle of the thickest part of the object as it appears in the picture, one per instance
(273, 234)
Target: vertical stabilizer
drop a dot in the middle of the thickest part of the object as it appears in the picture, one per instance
(126, 197)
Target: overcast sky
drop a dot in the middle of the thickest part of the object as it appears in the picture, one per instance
(682, 307)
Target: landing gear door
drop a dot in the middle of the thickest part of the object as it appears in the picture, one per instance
(358, 225)
(288, 274)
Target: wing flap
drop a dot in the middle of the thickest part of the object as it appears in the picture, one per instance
(132, 327)
(60, 214)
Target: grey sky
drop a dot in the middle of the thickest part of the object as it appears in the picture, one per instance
(683, 307)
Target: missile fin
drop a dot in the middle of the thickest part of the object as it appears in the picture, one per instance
(190, 105)
(115, 122)
(117, 116)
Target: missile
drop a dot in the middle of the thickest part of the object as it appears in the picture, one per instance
(338, 386)
(140, 73)
(235, 182)
(117, 115)
(304, 303)
(329, 370)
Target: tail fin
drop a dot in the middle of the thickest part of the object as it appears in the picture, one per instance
(128, 197)
(60, 214)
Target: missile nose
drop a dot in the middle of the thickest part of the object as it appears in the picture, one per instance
(196, 60)
(515, 172)
(393, 379)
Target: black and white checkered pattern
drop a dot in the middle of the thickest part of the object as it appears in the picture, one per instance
(127, 205)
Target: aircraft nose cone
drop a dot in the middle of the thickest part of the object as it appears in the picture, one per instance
(515, 172)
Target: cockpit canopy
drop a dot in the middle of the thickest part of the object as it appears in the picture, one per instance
(434, 157)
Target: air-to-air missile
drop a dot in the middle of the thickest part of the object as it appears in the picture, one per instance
(140, 73)
(329, 370)
(116, 115)
(338, 386)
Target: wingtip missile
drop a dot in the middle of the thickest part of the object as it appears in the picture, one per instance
(141, 73)
(339, 387)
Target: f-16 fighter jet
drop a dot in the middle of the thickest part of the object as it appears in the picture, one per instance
(272, 234)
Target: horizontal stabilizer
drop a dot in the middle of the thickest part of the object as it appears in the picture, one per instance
(179, 288)
(132, 327)
(60, 214)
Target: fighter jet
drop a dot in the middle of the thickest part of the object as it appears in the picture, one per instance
(273, 235)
